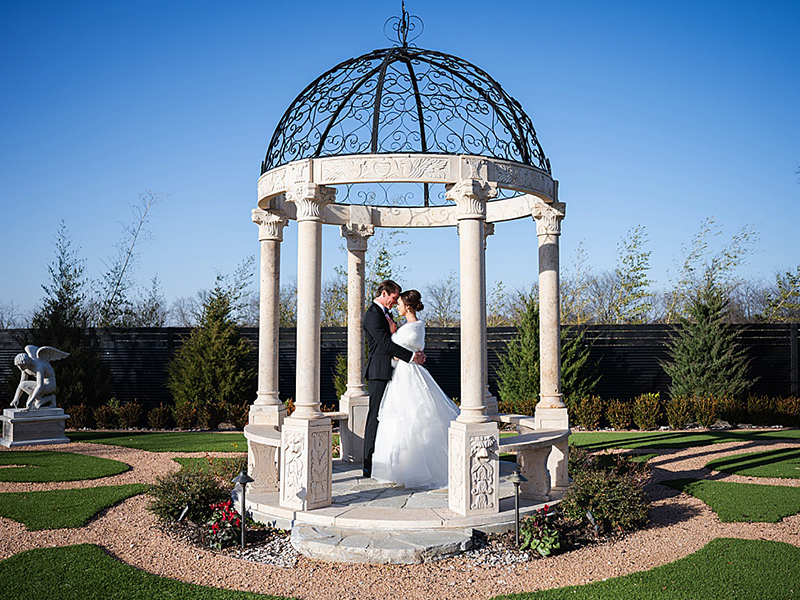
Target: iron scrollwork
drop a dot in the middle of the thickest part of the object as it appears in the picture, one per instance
(405, 99)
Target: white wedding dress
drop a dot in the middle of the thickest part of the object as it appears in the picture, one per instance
(415, 414)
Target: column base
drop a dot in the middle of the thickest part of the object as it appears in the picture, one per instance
(267, 414)
(474, 469)
(351, 432)
(306, 463)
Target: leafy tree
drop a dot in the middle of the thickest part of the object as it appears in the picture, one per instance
(210, 376)
(381, 260)
(577, 290)
(702, 266)
(783, 302)
(705, 358)
(518, 375)
(61, 321)
(632, 294)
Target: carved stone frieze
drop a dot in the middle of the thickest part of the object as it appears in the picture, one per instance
(521, 177)
(357, 236)
(548, 217)
(270, 224)
(384, 168)
(470, 196)
(483, 449)
(292, 456)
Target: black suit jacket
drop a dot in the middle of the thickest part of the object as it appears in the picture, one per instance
(380, 344)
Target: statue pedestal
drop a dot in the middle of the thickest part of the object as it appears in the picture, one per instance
(29, 427)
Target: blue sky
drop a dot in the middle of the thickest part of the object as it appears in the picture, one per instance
(659, 114)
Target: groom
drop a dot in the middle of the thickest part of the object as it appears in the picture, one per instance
(379, 327)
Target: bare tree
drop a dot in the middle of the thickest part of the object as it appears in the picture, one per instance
(11, 316)
(114, 305)
(443, 302)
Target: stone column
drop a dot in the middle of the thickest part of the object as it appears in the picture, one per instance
(473, 437)
(355, 401)
(268, 408)
(551, 412)
(306, 436)
(489, 401)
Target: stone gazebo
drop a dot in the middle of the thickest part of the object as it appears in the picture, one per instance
(402, 137)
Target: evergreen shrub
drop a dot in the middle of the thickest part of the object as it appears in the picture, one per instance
(705, 357)
(518, 373)
(80, 417)
(733, 410)
(787, 411)
(211, 371)
(614, 494)
(160, 417)
(585, 411)
(680, 412)
(647, 411)
(196, 488)
(128, 415)
(706, 410)
(761, 410)
(619, 413)
(106, 417)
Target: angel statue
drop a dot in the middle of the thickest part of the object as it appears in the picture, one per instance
(35, 363)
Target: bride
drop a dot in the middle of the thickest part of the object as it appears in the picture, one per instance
(415, 414)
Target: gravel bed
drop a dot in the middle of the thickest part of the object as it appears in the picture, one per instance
(680, 525)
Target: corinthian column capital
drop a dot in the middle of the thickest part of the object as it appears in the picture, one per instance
(470, 196)
(356, 235)
(548, 217)
(310, 198)
(270, 224)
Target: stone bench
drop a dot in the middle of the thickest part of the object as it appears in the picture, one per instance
(541, 456)
(263, 453)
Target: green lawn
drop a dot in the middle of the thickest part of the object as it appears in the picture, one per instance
(168, 441)
(605, 440)
(59, 509)
(46, 465)
(742, 502)
(726, 569)
(226, 467)
(85, 572)
(784, 463)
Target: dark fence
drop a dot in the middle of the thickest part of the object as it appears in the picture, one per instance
(627, 357)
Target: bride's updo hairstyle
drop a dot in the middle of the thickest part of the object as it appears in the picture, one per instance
(413, 300)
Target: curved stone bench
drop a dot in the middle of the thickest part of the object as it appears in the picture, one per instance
(263, 453)
(541, 456)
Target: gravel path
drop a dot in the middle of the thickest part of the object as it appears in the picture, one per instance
(680, 526)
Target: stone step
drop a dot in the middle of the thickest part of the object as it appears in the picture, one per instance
(379, 547)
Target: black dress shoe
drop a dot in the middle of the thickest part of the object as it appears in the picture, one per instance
(367, 474)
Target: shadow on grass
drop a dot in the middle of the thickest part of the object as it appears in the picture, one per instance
(784, 462)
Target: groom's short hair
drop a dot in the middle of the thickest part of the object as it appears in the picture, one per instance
(388, 286)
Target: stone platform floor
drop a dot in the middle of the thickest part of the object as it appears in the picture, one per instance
(370, 521)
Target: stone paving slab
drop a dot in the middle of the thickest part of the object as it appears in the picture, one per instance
(370, 521)
(347, 545)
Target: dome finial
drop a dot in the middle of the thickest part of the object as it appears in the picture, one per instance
(402, 26)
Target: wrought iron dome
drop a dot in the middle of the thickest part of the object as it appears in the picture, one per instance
(405, 99)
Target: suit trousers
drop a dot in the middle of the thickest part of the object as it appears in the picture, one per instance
(376, 389)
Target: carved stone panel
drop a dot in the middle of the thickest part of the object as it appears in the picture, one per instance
(263, 467)
(293, 466)
(320, 469)
(483, 462)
